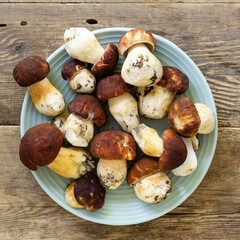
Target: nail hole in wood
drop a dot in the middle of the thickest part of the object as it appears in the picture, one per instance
(91, 21)
(23, 23)
(3, 25)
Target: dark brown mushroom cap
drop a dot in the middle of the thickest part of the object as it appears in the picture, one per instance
(113, 145)
(87, 106)
(142, 167)
(89, 192)
(107, 62)
(112, 86)
(40, 145)
(175, 151)
(183, 117)
(174, 80)
(30, 70)
(71, 68)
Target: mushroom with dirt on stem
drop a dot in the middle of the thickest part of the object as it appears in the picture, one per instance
(141, 67)
(81, 80)
(122, 105)
(82, 44)
(41, 145)
(151, 185)
(113, 147)
(31, 72)
(154, 102)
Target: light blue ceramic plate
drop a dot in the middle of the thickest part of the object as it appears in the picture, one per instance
(121, 206)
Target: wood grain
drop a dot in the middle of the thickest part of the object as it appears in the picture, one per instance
(211, 212)
(208, 33)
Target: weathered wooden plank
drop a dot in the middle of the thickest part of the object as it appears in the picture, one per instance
(208, 33)
(211, 212)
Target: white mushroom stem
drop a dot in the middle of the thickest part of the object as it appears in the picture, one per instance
(190, 164)
(195, 142)
(82, 44)
(148, 140)
(153, 188)
(141, 67)
(125, 110)
(112, 173)
(70, 198)
(154, 102)
(78, 131)
(83, 82)
(59, 122)
(46, 98)
(207, 118)
(72, 162)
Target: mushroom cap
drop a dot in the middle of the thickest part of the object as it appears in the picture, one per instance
(174, 80)
(133, 37)
(72, 68)
(174, 153)
(30, 70)
(107, 62)
(113, 144)
(87, 106)
(89, 192)
(40, 145)
(183, 117)
(112, 86)
(141, 168)
(207, 118)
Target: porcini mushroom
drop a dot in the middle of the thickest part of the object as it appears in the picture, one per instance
(141, 67)
(190, 164)
(31, 72)
(148, 140)
(81, 80)
(82, 44)
(122, 105)
(150, 184)
(155, 101)
(186, 118)
(113, 147)
(86, 192)
(41, 145)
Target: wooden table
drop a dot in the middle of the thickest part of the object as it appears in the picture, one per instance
(208, 31)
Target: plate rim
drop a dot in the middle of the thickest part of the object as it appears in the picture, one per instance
(179, 201)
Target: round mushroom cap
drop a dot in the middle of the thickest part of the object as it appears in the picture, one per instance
(30, 70)
(112, 86)
(207, 118)
(87, 106)
(113, 144)
(133, 37)
(107, 62)
(89, 192)
(141, 168)
(40, 145)
(183, 117)
(154, 188)
(175, 151)
(72, 68)
(174, 80)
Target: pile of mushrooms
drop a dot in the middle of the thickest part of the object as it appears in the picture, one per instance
(144, 87)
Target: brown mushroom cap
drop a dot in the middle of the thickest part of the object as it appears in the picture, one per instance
(142, 167)
(183, 117)
(71, 68)
(30, 70)
(175, 151)
(112, 86)
(113, 145)
(174, 80)
(89, 192)
(107, 62)
(133, 37)
(40, 145)
(87, 106)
